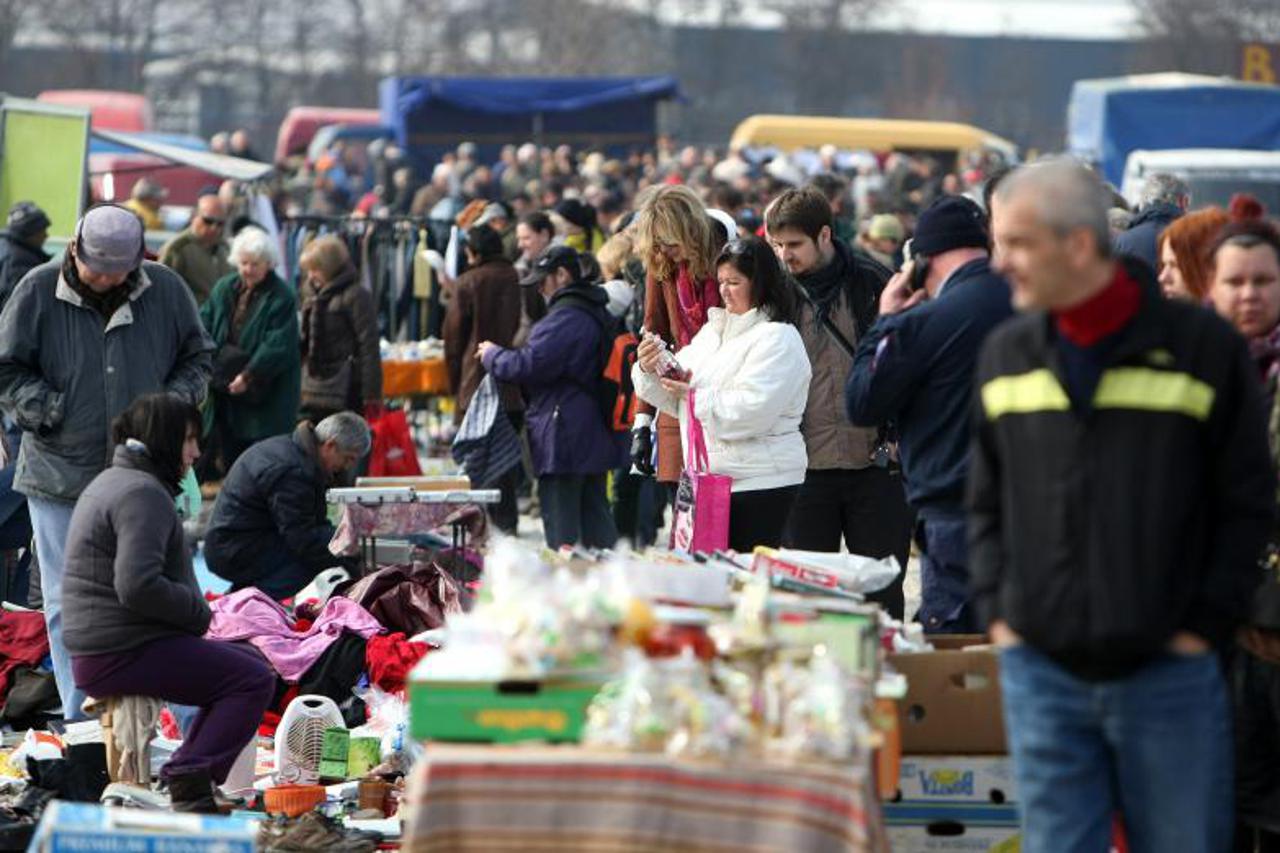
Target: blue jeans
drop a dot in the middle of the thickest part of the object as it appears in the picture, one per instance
(49, 522)
(944, 577)
(1155, 746)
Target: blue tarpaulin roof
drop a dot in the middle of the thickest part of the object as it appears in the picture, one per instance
(1108, 119)
(432, 113)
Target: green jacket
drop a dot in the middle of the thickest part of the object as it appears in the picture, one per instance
(270, 336)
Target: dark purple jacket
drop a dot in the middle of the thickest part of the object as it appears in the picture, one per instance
(559, 368)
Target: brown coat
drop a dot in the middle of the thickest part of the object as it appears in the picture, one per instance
(485, 307)
(662, 317)
(339, 323)
(831, 441)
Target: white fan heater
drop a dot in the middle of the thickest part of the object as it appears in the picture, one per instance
(300, 738)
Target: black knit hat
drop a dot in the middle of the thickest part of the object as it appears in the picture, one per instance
(26, 220)
(577, 213)
(951, 222)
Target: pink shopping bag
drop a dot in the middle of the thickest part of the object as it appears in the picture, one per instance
(700, 522)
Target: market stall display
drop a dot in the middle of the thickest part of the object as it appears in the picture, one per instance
(369, 512)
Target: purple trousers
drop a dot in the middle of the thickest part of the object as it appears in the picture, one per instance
(231, 684)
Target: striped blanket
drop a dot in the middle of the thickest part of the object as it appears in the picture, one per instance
(473, 798)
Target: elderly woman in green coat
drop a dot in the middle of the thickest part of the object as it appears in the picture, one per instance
(252, 316)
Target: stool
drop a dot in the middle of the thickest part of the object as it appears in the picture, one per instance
(106, 710)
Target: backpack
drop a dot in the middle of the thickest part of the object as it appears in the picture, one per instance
(614, 392)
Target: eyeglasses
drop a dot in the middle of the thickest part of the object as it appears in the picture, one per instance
(214, 221)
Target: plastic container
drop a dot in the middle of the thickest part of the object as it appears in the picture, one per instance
(293, 800)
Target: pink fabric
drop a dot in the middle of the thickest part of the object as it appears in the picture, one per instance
(695, 297)
(251, 615)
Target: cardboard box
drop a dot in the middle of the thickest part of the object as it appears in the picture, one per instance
(81, 827)
(981, 779)
(952, 828)
(952, 706)
(552, 709)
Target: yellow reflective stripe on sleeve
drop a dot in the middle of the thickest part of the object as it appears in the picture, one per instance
(1154, 391)
(1037, 391)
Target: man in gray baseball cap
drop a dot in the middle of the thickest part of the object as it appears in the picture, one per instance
(79, 341)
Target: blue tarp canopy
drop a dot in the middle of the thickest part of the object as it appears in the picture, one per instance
(429, 115)
(1108, 119)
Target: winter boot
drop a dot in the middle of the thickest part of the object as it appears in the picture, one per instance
(192, 791)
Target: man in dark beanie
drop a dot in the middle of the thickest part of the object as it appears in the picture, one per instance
(21, 245)
(79, 342)
(915, 368)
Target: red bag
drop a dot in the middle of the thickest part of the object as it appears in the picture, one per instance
(394, 453)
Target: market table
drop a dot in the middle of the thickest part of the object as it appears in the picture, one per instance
(370, 512)
(494, 798)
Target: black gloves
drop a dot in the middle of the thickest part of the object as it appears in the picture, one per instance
(642, 450)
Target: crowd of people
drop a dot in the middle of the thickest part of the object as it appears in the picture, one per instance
(1068, 407)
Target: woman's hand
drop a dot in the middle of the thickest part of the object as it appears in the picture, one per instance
(483, 347)
(239, 385)
(678, 387)
(647, 354)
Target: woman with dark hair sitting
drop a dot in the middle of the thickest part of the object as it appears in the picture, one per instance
(745, 377)
(133, 615)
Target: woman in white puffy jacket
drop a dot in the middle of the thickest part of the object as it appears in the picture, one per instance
(747, 375)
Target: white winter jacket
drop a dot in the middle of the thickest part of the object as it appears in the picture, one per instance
(751, 383)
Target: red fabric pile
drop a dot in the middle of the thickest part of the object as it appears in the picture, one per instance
(390, 657)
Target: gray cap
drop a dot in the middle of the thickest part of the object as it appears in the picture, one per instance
(491, 212)
(109, 240)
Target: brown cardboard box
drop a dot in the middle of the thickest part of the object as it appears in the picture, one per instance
(952, 706)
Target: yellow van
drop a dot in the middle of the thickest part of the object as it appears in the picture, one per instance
(870, 134)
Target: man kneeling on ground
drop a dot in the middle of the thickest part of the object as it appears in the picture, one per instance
(270, 527)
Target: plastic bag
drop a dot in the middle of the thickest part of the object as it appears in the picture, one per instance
(394, 453)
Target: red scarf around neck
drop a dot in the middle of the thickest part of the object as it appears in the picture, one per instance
(1102, 314)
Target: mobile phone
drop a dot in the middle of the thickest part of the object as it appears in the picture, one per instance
(919, 267)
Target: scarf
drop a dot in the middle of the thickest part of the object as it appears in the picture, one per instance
(105, 304)
(694, 299)
(824, 286)
(313, 311)
(1102, 314)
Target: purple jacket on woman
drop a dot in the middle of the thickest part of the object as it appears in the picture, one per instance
(559, 368)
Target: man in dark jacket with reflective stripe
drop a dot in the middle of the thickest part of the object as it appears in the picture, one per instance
(915, 368)
(1120, 494)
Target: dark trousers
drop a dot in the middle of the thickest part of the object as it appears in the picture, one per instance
(867, 507)
(276, 571)
(575, 510)
(634, 512)
(759, 517)
(231, 685)
(944, 577)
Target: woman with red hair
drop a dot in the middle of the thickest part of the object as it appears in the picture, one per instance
(1183, 248)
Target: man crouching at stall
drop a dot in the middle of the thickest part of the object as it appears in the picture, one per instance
(270, 527)
(134, 616)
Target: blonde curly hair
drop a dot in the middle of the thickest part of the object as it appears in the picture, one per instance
(673, 215)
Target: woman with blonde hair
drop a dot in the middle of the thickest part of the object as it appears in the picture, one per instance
(341, 364)
(679, 243)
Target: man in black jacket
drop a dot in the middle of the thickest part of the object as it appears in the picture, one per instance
(915, 367)
(1120, 494)
(1164, 199)
(270, 526)
(22, 245)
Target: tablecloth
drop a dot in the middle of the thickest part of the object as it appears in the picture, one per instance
(488, 798)
(407, 378)
(402, 519)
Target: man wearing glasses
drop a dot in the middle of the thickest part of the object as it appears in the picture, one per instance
(199, 254)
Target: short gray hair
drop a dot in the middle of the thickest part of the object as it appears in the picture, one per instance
(1163, 188)
(253, 243)
(1067, 194)
(347, 430)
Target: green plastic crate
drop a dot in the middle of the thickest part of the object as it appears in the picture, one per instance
(552, 709)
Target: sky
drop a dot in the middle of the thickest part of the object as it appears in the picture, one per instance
(1084, 19)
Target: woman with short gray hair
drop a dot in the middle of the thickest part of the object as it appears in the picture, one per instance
(252, 316)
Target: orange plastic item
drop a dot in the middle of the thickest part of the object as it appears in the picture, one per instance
(293, 800)
(889, 755)
(414, 378)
